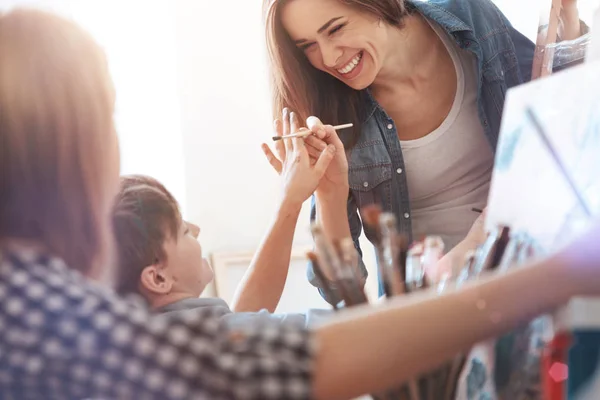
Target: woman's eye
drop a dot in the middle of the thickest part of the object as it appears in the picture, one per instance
(306, 46)
(336, 29)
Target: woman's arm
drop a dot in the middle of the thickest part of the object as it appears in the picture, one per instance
(570, 26)
(354, 224)
(333, 208)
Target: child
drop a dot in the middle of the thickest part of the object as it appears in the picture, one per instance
(160, 258)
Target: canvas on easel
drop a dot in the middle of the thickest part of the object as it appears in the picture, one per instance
(529, 192)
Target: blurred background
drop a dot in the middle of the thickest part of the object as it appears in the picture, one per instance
(193, 107)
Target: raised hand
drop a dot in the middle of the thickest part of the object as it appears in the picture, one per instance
(300, 175)
(335, 178)
(570, 25)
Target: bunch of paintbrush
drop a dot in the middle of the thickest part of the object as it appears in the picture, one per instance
(336, 266)
(500, 251)
(491, 252)
(403, 270)
(391, 249)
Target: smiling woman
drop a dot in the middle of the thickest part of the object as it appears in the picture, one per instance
(424, 84)
(425, 94)
(345, 45)
(310, 91)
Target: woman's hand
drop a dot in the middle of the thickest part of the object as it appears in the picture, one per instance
(335, 180)
(300, 175)
(570, 25)
(477, 234)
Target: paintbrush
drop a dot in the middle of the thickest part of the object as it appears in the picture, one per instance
(391, 253)
(509, 259)
(307, 132)
(352, 278)
(415, 274)
(370, 215)
(466, 271)
(329, 259)
(319, 274)
(493, 249)
(433, 250)
(500, 247)
(556, 158)
(328, 255)
(402, 241)
(349, 257)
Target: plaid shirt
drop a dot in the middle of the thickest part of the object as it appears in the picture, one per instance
(62, 337)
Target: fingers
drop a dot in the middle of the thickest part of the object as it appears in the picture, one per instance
(324, 132)
(279, 145)
(286, 129)
(297, 143)
(315, 142)
(316, 126)
(314, 146)
(324, 160)
(314, 153)
(275, 163)
(331, 137)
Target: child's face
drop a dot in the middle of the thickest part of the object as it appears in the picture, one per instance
(188, 271)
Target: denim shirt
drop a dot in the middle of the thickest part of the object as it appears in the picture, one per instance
(376, 166)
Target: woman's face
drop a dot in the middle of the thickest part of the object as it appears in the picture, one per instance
(347, 44)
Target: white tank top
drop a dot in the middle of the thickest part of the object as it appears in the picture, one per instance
(449, 170)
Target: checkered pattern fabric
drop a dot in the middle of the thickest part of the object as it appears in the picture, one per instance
(63, 337)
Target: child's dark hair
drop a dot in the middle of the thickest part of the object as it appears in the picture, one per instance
(145, 215)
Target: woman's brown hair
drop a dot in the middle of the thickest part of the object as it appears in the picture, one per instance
(306, 90)
(57, 140)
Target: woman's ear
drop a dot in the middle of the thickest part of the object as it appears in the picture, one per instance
(155, 280)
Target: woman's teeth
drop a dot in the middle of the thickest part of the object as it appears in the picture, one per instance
(351, 65)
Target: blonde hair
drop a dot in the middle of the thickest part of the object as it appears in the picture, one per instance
(56, 138)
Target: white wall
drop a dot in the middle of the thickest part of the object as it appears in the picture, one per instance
(223, 86)
(139, 38)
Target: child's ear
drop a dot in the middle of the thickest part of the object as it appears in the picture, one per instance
(154, 279)
(194, 229)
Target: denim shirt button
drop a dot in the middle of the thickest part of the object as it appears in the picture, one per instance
(390, 126)
(366, 184)
(406, 215)
(399, 170)
(485, 123)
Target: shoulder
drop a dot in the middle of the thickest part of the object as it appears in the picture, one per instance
(481, 16)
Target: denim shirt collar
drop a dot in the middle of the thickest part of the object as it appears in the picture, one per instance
(434, 12)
